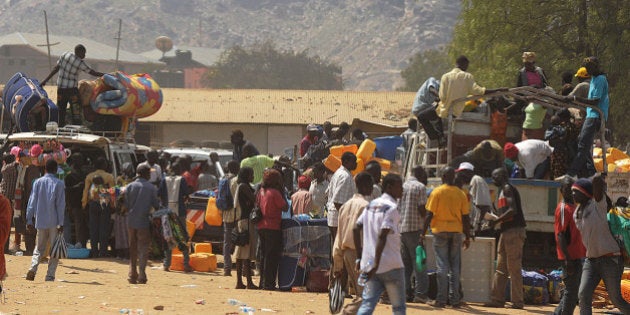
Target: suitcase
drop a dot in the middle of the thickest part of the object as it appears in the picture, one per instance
(203, 262)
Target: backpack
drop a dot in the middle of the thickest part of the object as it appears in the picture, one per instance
(225, 201)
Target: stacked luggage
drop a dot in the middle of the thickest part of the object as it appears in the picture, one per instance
(27, 103)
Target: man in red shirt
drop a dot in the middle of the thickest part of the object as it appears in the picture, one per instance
(571, 250)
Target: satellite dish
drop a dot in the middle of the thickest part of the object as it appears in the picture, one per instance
(164, 44)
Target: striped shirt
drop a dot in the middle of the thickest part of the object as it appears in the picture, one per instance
(69, 66)
(9, 180)
(414, 194)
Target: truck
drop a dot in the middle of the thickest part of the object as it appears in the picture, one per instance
(116, 148)
(539, 197)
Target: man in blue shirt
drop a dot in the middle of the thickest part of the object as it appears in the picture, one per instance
(424, 108)
(597, 95)
(140, 197)
(47, 205)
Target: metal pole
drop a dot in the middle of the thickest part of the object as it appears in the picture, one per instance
(118, 43)
(47, 41)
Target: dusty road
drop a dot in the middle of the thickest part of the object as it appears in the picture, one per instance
(99, 286)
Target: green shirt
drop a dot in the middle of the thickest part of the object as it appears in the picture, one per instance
(259, 163)
(534, 115)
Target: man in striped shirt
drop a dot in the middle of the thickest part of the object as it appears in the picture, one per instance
(68, 67)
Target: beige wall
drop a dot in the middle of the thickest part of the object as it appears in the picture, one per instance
(267, 138)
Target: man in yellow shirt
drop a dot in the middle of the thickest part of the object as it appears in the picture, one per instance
(447, 213)
(99, 212)
(457, 84)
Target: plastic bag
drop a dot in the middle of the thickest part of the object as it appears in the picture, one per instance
(59, 248)
(421, 258)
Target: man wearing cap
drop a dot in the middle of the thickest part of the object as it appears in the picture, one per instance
(447, 213)
(456, 84)
(530, 74)
(511, 240)
(311, 137)
(603, 254)
(597, 95)
(581, 89)
(532, 155)
(479, 193)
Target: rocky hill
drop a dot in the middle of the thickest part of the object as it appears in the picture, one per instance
(371, 39)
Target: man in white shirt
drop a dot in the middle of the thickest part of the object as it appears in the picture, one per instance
(381, 260)
(340, 190)
(531, 154)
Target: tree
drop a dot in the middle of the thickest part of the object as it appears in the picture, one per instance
(429, 63)
(494, 33)
(264, 67)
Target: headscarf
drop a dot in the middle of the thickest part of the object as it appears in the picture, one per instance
(304, 182)
(510, 150)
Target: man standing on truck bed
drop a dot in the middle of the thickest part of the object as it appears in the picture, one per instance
(510, 247)
(597, 95)
(67, 83)
(457, 84)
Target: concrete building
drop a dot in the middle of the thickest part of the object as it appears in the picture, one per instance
(273, 120)
(185, 65)
(27, 52)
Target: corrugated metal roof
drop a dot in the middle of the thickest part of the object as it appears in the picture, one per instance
(95, 50)
(282, 106)
(205, 56)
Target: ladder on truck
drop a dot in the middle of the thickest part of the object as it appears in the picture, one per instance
(421, 153)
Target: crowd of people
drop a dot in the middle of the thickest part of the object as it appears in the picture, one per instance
(376, 222)
(552, 144)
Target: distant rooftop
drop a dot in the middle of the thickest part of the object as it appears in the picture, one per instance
(95, 50)
(204, 56)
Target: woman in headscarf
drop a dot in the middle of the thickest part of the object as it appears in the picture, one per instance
(272, 203)
(243, 203)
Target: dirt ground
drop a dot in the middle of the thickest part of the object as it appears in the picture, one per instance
(99, 286)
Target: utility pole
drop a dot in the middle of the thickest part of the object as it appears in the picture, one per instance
(118, 38)
(199, 32)
(48, 44)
